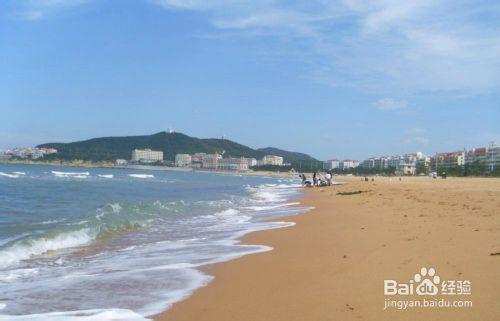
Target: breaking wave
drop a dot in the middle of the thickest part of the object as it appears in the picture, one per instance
(141, 175)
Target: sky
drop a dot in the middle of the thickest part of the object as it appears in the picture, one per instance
(334, 79)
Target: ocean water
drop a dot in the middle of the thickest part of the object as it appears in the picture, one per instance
(120, 244)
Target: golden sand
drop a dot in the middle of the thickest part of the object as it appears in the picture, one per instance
(332, 264)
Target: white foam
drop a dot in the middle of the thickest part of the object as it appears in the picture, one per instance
(230, 219)
(9, 175)
(232, 215)
(79, 175)
(106, 175)
(141, 175)
(83, 315)
(11, 275)
(66, 174)
(19, 173)
(25, 249)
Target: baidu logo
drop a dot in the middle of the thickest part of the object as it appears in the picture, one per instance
(426, 290)
(427, 282)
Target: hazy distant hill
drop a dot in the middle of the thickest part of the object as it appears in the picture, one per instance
(111, 148)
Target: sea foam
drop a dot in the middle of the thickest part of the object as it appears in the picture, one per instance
(85, 315)
(141, 175)
(79, 175)
(9, 175)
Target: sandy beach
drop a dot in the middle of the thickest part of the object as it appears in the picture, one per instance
(332, 264)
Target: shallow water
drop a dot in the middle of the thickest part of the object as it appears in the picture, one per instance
(102, 244)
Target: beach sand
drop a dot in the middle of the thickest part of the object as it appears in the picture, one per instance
(332, 264)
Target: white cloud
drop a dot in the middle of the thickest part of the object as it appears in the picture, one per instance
(383, 46)
(391, 104)
(417, 140)
(34, 10)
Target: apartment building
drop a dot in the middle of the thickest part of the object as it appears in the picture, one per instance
(272, 160)
(210, 161)
(234, 163)
(331, 164)
(348, 163)
(448, 160)
(146, 156)
(182, 160)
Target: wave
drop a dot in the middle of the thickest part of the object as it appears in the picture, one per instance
(85, 315)
(106, 175)
(9, 175)
(80, 175)
(33, 246)
(19, 173)
(12, 238)
(70, 173)
(232, 215)
(141, 175)
(107, 220)
(12, 275)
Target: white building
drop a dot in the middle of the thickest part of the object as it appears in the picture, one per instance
(182, 160)
(210, 161)
(252, 162)
(479, 154)
(331, 164)
(234, 163)
(448, 160)
(146, 155)
(493, 160)
(348, 163)
(272, 160)
(121, 162)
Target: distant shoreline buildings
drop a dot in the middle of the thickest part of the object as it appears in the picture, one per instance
(484, 159)
(206, 161)
(337, 164)
(27, 152)
(418, 163)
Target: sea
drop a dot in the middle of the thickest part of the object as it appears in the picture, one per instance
(124, 244)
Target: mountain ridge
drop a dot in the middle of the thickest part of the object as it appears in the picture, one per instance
(114, 147)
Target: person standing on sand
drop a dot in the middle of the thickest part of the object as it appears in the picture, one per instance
(315, 179)
(303, 176)
(328, 178)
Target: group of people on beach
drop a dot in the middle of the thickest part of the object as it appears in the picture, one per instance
(317, 180)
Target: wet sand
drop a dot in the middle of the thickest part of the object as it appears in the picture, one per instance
(332, 264)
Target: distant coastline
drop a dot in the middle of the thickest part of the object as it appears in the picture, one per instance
(88, 164)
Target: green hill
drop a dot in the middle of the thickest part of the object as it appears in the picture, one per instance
(111, 148)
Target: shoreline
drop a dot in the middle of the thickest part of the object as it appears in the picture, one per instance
(156, 168)
(332, 263)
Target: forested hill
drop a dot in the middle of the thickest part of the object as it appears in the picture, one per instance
(111, 148)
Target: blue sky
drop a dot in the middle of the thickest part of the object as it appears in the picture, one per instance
(335, 79)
